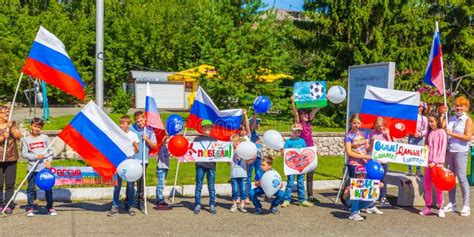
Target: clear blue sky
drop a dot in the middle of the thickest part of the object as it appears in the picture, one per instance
(294, 5)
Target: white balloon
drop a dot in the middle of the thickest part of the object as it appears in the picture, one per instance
(246, 150)
(336, 94)
(130, 170)
(270, 182)
(273, 140)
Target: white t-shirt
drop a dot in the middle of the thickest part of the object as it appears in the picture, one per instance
(133, 136)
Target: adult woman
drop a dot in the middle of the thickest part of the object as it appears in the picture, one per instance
(459, 130)
(8, 133)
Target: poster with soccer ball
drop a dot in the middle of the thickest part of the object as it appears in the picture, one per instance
(310, 94)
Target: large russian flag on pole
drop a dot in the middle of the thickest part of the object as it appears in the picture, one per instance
(434, 70)
(48, 61)
(393, 105)
(226, 122)
(98, 140)
(153, 119)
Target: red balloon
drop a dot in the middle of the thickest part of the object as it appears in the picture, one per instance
(398, 130)
(443, 179)
(178, 146)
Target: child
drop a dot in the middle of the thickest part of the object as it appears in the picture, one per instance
(355, 144)
(147, 136)
(437, 142)
(33, 149)
(257, 191)
(420, 134)
(380, 132)
(238, 178)
(304, 118)
(130, 191)
(11, 134)
(357, 205)
(295, 142)
(161, 173)
(255, 165)
(205, 168)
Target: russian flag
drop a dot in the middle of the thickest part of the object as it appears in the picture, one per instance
(226, 122)
(48, 61)
(393, 105)
(98, 140)
(153, 119)
(434, 70)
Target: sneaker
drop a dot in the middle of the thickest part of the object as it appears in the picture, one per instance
(131, 212)
(274, 210)
(197, 209)
(306, 204)
(441, 213)
(8, 210)
(233, 208)
(450, 207)
(242, 207)
(258, 211)
(141, 206)
(285, 204)
(384, 202)
(113, 211)
(373, 210)
(355, 217)
(466, 211)
(30, 213)
(213, 209)
(52, 212)
(312, 199)
(426, 211)
(163, 206)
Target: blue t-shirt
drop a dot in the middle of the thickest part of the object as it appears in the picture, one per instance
(295, 143)
(150, 134)
(254, 137)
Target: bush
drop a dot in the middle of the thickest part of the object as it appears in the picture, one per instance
(120, 102)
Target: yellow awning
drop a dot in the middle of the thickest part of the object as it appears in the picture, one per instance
(273, 77)
(192, 74)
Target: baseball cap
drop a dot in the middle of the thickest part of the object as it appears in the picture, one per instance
(206, 122)
(360, 170)
(296, 127)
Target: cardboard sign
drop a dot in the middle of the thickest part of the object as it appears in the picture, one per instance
(78, 175)
(206, 151)
(300, 161)
(365, 189)
(310, 94)
(400, 153)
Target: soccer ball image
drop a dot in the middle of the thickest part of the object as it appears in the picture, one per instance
(316, 90)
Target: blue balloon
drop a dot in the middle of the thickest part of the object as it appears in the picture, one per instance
(262, 104)
(174, 124)
(45, 179)
(374, 170)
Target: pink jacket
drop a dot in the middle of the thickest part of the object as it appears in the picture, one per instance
(437, 142)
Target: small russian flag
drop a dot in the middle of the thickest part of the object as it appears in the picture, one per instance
(434, 75)
(153, 119)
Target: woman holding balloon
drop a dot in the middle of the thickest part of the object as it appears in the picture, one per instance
(459, 130)
(356, 143)
(436, 142)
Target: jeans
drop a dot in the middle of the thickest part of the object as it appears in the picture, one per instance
(254, 193)
(211, 177)
(428, 188)
(300, 187)
(457, 163)
(351, 170)
(415, 141)
(7, 180)
(255, 166)
(239, 184)
(31, 193)
(130, 193)
(383, 190)
(140, 190)
(358, 205)
(160, 184)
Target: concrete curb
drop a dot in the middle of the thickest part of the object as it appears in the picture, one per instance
(74, 194)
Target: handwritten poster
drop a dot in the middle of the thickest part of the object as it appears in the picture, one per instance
(310, 94)
(206, 151)
(400, 153)
(300, 161)
(365, 189)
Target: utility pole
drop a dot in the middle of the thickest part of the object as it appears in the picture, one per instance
(99, 53)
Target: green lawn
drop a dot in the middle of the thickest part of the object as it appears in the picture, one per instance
(329, 168)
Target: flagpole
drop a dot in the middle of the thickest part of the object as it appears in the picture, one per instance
(10, 116)
(442, 73)
(144, 174)
(177, 171)
(26, 177)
